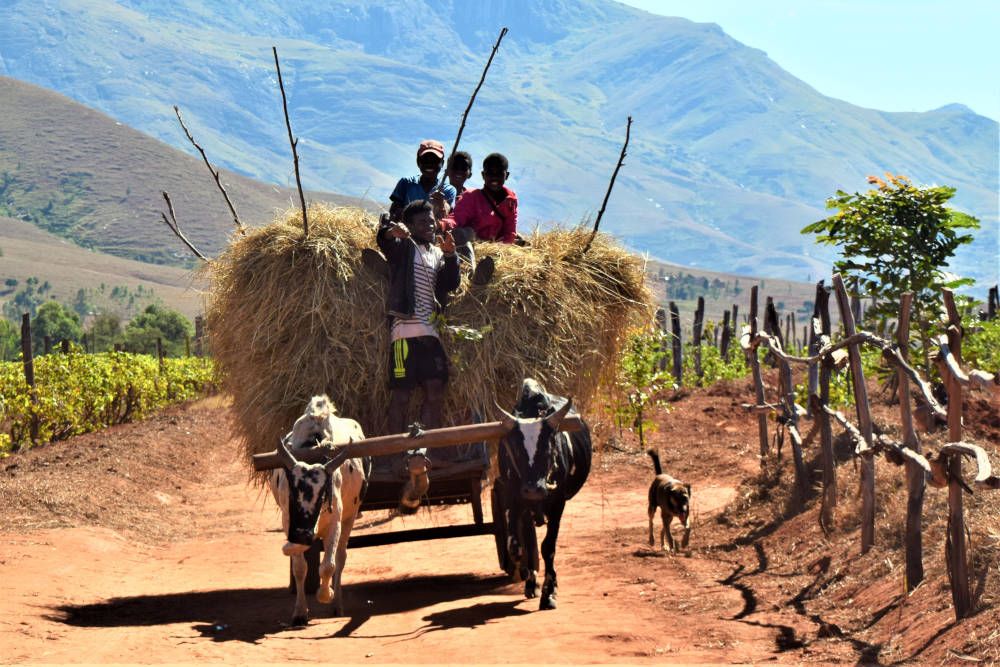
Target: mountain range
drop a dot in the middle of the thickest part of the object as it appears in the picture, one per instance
(730, 155)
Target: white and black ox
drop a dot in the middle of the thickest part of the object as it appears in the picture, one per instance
(319, 500)
(540, 469)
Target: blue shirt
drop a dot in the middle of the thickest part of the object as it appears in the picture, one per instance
(409, 189)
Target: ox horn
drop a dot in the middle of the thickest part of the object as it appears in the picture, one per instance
(556, 418)
(286, 456)
(509, 419)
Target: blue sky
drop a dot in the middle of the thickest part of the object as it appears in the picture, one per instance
(894, 55)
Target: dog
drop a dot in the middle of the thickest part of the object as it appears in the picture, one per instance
(673, 497)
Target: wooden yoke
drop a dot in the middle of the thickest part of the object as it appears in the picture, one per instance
(385, 445)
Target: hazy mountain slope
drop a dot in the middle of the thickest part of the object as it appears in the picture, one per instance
(80, 174)
(731, 155)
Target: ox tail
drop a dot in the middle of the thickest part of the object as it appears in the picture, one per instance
(653, 454)
(582, 451)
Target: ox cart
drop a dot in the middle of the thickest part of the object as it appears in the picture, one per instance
(463, 465)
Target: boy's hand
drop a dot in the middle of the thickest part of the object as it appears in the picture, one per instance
(398, 231)
(447, 243)
(439, 204)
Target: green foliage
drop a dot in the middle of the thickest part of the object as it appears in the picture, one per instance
(25, 300)
(981, 347)
(10, 341)
(104, 331)
(158, 322)
(894, 239)
(713, 367)
(55, 321)
(77, 393)
(641, 380)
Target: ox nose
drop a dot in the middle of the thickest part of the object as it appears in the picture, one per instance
(301, 536)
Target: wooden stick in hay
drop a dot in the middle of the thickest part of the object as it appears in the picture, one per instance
(212, 170)
(614, 175)
(461, 128)
(176, 228)
(294, 142)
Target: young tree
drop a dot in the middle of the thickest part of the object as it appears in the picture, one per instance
(893, 239)
(55, 321)
(10, 341)
(105, 330)
(158, 322)
(641, 380)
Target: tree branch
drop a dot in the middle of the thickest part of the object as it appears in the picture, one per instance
(461, 128)
(212, 170)
(614, 175)
(176, 229)
(293, 141)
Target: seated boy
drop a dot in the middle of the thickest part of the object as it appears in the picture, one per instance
(490, 212)
(420, 277)
(430, 157)
(459, 171)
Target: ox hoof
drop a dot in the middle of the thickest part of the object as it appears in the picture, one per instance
(530, 589)
(300, 621)
(548, 602)
(324, 595)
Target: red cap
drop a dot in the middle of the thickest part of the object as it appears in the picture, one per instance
(431, 146)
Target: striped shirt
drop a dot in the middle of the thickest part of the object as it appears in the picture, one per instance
(426, 263)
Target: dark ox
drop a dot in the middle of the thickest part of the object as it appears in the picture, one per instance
(540, 469)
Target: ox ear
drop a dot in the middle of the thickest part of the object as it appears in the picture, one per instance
(555, 419)
(287, 459)
(509, 420)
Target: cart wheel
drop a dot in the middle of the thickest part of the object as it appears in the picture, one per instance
(500, 532)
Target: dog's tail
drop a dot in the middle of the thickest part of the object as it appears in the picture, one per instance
(653, 454)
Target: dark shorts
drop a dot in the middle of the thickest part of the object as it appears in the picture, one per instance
(416, 360)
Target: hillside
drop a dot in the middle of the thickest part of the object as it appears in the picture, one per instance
(31, 252)
(81, 175)
(731, 156)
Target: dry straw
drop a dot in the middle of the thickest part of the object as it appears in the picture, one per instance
(291, 317)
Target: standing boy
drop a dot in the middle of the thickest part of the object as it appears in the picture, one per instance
(430, 157)
(421, 275)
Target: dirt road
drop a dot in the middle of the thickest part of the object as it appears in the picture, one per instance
(180, 561)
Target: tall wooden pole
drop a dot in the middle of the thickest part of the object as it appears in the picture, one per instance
(294, 142)
(821, 319)
(864, 418)
(915, 476)
(29, 371)
(699, 320)
(675, 344)
(758, 380)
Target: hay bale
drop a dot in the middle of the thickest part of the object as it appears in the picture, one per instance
(290, 317)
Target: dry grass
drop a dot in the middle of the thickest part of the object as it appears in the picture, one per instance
(291, 317)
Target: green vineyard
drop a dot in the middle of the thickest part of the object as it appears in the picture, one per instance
(78, 393)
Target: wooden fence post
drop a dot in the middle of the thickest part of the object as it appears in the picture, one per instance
(821, 334)
(955, 547)
(786, 390)
(994, 303)
(46, 345)
(915, 475)
(699, 322)
(726, 336)
(661, 326)
(758, 381)
(29, 372)
(733, 321)
(675, 342)
(64, 346)
(199, 334)
(864, 419)
(118, 347)
(159, 351)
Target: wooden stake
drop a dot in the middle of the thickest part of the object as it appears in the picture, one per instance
(699, 318)
(675, 343)
(864, 418)
(614, 175)
(294, 142)
(29, 372)
(468, 107)
(758, 380)
(915, 475)
(726, 336)
(212, 170)
(821, 321)
(661, 326)
(176, 228)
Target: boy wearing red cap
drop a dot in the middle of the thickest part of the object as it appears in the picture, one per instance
(430, 157)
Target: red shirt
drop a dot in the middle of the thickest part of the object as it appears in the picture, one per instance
(490, 220)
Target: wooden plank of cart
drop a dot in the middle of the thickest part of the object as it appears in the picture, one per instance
(468, 467)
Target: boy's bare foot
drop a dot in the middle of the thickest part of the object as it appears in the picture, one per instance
(484, 271)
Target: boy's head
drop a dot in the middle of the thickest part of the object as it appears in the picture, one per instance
(495, 172)
(459, 169)
(418, 216)
(430, 156)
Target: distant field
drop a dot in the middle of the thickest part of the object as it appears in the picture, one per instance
(29, 251)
